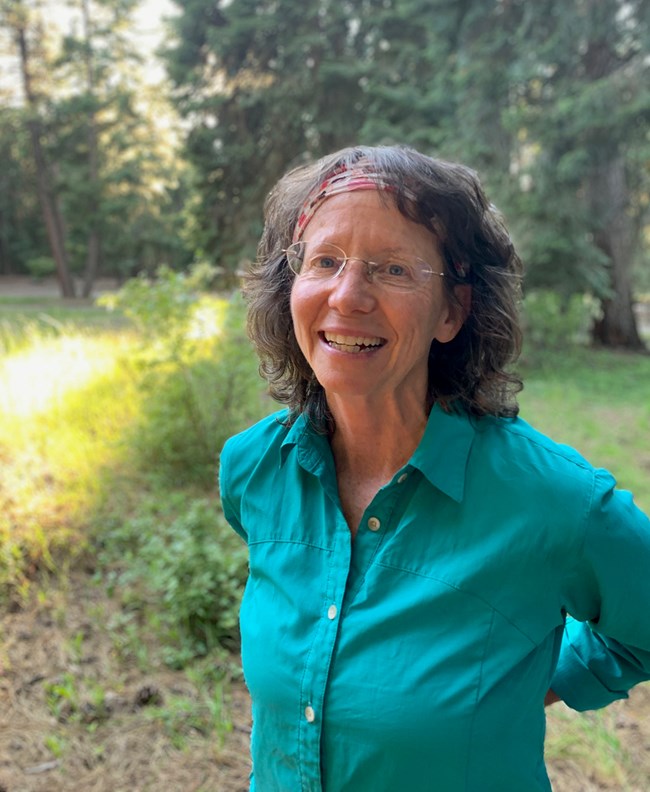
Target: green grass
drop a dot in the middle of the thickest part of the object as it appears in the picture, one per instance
(598, 402)
(589, 740)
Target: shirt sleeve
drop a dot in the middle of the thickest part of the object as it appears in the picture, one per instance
(606, 643)
(230, 499)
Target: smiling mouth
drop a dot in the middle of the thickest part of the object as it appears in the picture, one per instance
(354, 344)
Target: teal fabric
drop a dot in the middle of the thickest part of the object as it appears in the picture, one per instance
(417, 656)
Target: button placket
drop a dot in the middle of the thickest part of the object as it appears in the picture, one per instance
(317, 669)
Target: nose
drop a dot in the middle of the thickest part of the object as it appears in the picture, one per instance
(351, 289)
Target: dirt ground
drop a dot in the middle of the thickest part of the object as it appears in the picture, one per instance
(68, 638)
(22, 286)
(113, 741)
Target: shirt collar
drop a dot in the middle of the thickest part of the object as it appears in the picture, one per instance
(313, 448)
(441, 455)
(444, 450)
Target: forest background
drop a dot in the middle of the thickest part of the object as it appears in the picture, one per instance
(119, 580)
(104, 174)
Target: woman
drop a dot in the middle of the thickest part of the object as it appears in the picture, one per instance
(415, 547)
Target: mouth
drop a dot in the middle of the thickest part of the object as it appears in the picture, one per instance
(354, 344)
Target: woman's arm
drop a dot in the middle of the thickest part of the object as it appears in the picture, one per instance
(606, 643)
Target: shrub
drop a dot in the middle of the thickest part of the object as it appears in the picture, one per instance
(197, 371)
(551, 320)
(187, 572)
(41, 267)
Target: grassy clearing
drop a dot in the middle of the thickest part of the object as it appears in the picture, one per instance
(598, 402)
(109, 438)
(65, 402)
(111, 433)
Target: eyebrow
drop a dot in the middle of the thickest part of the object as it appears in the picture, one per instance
(386, 251)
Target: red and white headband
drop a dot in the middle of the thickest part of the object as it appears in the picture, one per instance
(348, 178)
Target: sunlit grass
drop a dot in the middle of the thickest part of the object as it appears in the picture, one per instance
(65, 401)
(82, 407)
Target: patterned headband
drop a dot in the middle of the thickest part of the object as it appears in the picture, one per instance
(348, 178)
(344, 178)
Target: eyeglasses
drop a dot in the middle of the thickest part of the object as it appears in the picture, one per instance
(328, 261)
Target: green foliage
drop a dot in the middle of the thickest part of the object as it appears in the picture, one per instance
(291, 75)
(197, 372)
(199, 381)
(62, 695)
(108, 144)
(22, 232)
(553, 322)
(186, 572)
(41, 267)
(116, 415)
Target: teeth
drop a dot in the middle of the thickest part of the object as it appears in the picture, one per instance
(352, 341)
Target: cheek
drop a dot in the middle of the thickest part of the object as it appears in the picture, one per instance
(301, 314)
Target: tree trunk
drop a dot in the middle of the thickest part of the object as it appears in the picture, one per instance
(616, 236)
(608, 197)
(94, 235)
(49, 207)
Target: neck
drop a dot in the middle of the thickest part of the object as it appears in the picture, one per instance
(375, 440)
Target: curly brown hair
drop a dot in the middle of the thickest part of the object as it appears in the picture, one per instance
(468, 373)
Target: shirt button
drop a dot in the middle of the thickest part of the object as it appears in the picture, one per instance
(331, 612)
(402, 478)
(374, 524)
(310, 714)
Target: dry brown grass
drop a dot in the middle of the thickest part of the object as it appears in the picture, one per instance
(120, 747)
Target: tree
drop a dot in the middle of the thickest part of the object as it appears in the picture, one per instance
(549, 101)
(26, 29)
(584, 109)
(118, 180)
(262, 85)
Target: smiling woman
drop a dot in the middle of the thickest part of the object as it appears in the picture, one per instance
(367, 338)
(415, 547)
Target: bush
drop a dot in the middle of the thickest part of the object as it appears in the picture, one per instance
(197, 371)
(41, 267)
(187, 573)
(552, 321)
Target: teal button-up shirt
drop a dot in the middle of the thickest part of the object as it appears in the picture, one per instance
(417, 656)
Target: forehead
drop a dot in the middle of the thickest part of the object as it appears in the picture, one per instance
(367, 218)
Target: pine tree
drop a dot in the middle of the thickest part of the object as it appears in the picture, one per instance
(585, 105)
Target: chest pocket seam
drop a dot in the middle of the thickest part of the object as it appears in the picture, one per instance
(462, 590)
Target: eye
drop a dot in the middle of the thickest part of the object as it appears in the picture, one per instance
(396, 270)
(325, 261)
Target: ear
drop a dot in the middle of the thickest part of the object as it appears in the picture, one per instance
(458, 310)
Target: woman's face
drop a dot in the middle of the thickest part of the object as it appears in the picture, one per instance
(360, 338)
